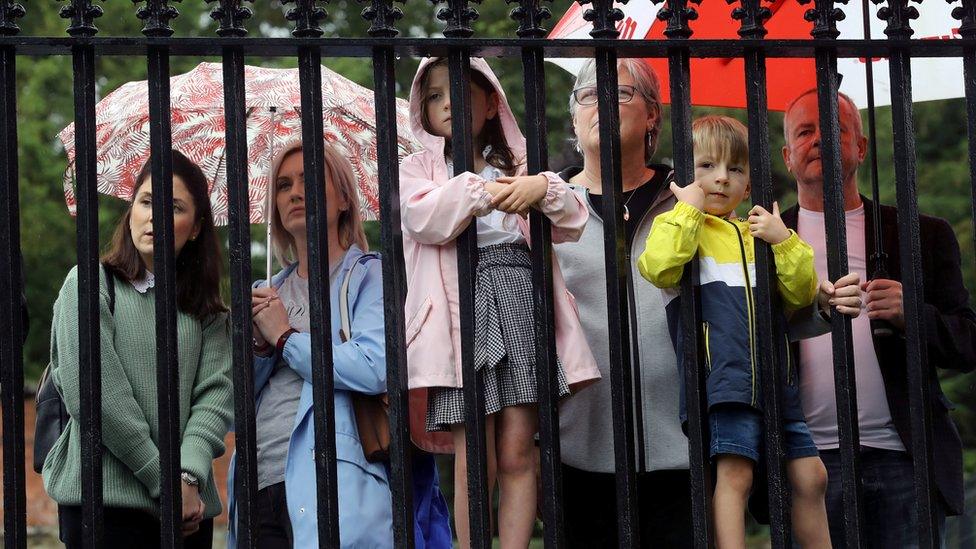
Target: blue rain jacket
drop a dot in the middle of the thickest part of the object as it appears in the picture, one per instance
(365, 507)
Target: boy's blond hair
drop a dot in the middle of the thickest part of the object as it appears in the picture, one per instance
(723, 137)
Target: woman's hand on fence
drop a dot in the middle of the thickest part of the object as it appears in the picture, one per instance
(520, 193)
(268, 313)
(844, 294)
(767, 226)
(193, 509)
(692, 194)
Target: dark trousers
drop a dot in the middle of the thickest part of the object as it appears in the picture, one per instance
(590, 506)
(126, 528)
(888, 495)
(274, 526)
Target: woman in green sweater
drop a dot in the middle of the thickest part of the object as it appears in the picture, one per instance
(130, 457)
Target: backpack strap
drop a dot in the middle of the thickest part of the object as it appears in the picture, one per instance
(345, 316)
(110, 286)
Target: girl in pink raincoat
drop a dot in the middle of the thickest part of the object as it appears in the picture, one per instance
(437, 204)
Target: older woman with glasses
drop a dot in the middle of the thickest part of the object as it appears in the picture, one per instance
(586, 425)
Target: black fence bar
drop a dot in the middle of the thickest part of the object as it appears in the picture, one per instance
(919, 390)
(230, 14)
(11, 288)
(458, 16)
(616, 255)
(621, 380)
(836, 239)
(530, 13)
(383, 15)
(772, 349)
(462, 147)
(89, 329)
(690, 355)
(164, 269)
(320, 308)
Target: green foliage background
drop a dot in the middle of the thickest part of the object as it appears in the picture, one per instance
(45, 106)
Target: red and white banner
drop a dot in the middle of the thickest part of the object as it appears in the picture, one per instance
(721, 82)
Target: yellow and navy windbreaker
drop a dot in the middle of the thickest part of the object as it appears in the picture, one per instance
(728, 278)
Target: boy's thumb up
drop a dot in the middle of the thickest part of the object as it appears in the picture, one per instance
(775, 209)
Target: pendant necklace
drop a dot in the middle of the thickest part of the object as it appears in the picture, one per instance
(626, 211)
(632, 192)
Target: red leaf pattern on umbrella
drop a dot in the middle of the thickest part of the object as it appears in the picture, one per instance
(198, 130)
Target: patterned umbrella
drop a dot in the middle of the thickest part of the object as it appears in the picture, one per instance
(273, 118)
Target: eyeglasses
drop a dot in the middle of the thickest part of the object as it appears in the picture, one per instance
(587, 95)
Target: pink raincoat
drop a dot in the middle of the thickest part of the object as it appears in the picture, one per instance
(435, 209)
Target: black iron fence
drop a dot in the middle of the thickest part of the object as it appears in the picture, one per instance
(157, 46)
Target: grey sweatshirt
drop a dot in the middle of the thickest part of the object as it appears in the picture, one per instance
(585, 422)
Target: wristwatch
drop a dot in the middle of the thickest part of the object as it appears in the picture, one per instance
(190, 479)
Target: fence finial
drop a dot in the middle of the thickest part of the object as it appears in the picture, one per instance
(383, 15)
(603, 16)
(679, 15)
(530, 14)
(231, 15)
(82, 14)
(157, 14)
(753, 16)
(899, 15)
(966, 13)
(306, 15)
(824, 17)
(9, 11)
(458, 15)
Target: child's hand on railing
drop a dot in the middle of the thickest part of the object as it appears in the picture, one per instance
(692, 194)
(520, 193)
(844, 294)
(767, 226)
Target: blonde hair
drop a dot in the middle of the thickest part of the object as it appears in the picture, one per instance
(350, 223)
(723, 137)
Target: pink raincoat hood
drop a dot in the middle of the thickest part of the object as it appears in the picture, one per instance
(510, 127)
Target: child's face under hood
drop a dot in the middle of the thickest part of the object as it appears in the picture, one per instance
(437, 104)
(500, 107)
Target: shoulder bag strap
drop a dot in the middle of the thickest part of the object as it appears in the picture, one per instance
(345, 315)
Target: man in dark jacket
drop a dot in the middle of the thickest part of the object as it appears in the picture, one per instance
(949, 326)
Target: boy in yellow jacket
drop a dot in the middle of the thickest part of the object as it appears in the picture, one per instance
(704, 222)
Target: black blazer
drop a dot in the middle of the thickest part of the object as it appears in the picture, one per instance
(950, 336)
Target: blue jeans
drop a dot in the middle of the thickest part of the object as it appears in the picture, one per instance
(890, 515)
(738, 430)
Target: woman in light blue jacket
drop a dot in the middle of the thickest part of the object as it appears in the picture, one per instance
(283, 372)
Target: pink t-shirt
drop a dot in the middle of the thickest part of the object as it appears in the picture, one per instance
(816, 356)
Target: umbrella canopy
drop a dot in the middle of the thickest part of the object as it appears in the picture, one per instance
(273, 104)
(721, 82)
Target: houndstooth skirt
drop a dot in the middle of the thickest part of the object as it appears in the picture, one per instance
(504, 339)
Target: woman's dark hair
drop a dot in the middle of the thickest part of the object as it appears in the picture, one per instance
(501, 155)
(198, 266)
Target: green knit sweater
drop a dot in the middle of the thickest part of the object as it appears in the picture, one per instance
(131, 468)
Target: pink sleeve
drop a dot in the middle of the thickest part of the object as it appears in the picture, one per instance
(565, 209)
(433, 213)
